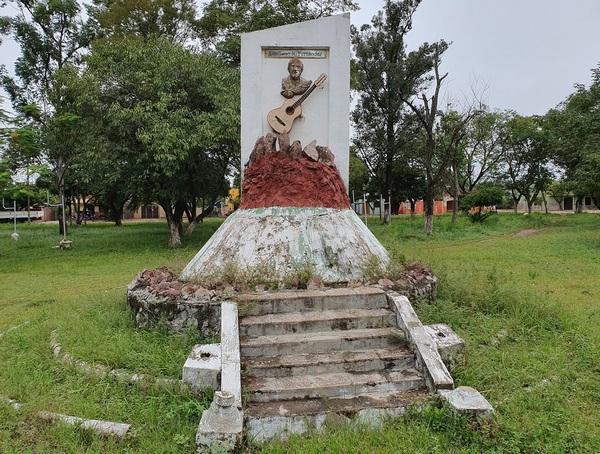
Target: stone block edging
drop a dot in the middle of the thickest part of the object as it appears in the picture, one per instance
(114, 429)
(99, 369)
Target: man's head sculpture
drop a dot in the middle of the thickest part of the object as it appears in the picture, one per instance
(295, 68)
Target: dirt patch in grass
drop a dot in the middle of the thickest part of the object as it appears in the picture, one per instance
(527, 232)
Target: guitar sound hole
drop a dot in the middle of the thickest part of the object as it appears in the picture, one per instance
(289, 110)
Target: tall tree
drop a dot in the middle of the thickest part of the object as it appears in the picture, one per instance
(526, 159)
(452, 132)
(426, 110)
(51, 34)
(23, 155)
(443, 131)
(574, 127)
(385, 74)
(483, 150)
(167, 112)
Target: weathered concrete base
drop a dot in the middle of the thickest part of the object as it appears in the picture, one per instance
(467, 400)
(417, 282)
(158, 300)
(450, 347)
(375, 418)
(282, 427)
(202, 369)
(221, 426)
(334, 245)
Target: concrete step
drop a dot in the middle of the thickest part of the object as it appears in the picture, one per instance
(266, 421)
(326, 320)
(347, 406)
(328, 385)
(311, 300)
(321, 342)
(336, 361)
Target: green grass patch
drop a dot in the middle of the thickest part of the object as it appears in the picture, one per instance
(527, 306)
(80, 293)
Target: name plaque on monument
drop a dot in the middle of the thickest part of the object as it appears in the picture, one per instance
(278, 52)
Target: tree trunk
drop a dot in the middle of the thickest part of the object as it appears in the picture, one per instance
(62, 226)
(428, 224)
(28, 199)
(60, 183)
(529, 205)
(192, 225)
(116, 213)
(175, 221)
(387, 219)
(198, 219)
(516, 200)
(429, 204)
(174, 237)
(579, 205)
(545, 202)
(456, 191)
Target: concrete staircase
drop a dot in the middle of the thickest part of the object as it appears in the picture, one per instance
(315, 358)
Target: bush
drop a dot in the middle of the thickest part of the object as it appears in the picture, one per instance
(481, 204)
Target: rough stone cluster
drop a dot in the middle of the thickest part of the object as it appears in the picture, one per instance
(268, 144)
(417, 282)
(292, 176)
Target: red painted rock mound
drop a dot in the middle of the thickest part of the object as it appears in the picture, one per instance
(277, 179)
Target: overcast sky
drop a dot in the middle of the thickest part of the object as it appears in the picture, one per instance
(528, 53)
(524, 55)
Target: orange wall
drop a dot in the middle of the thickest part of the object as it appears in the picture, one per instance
(439, 207)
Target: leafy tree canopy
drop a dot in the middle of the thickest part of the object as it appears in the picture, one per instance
(164, 116)
(222, 21)
(173, 19)
(574, 128)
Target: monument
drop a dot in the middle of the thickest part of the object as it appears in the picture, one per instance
(310, 357)
(295, 214)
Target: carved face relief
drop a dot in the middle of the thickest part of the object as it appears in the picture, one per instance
(295, 67)
(295, 70)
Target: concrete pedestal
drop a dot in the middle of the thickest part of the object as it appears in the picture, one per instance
(334, 245)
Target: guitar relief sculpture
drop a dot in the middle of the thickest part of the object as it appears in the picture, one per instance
(282, 118)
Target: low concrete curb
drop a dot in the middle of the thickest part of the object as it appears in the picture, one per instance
(230, 352)
(428, 358)
(113, 429)
(450, 347)
(12, 328)
(99, 369)
(202, 369)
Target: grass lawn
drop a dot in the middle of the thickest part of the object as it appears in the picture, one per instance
(527, 305)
